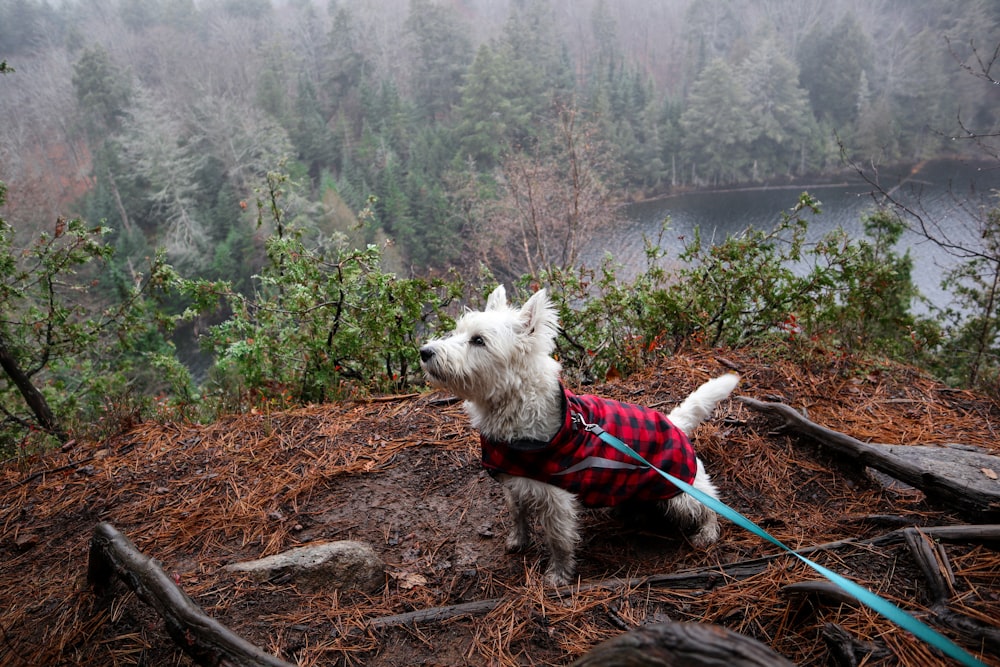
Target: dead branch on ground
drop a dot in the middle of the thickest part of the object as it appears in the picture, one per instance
(207, 641)
(699, 579)
(682, 644)
(959, 477)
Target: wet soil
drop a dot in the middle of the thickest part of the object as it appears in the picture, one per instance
(402, 474)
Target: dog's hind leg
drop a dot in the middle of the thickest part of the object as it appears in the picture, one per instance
(557, 511)
(697, 521)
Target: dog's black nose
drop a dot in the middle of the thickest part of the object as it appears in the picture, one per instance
(426, 353)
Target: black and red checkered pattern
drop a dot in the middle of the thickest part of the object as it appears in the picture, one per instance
(597, 473)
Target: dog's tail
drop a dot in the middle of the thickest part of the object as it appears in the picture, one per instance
(700, 404)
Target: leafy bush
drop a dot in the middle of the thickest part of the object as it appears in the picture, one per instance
(64, 347)
(609, 327)
(969, 350)
(323, 321)
(755, 288)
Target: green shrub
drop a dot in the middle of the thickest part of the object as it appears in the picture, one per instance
(324, 321)
(756, 288)
(74, 332)
(969, 350)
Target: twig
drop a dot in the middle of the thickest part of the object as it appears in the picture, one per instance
(703, 578)
(47, 471)
(435, 614)
(388, 399)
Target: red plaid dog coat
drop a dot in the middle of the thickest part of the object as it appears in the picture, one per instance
(597, 473)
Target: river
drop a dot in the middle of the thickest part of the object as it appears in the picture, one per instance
(948, 193)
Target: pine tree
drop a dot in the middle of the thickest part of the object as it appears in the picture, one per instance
(442, 54)
(486, 110)
(313, 139)
(874, 136)
(103, 94)
(345, 66)
(830, 66)
(717, 129)
(778, 110)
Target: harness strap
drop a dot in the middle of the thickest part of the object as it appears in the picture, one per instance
(860, 593)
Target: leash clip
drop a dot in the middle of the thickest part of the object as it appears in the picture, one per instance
(580, 422)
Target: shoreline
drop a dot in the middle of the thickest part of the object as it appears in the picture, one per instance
(901, 173)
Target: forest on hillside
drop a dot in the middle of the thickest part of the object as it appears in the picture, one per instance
(440, 118)
(218, 206)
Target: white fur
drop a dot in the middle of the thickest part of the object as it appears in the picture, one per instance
(500, 361)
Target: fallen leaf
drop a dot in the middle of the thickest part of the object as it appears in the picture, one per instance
(990, 473)
(408, 580)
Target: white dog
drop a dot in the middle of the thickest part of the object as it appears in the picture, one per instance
(500, 361)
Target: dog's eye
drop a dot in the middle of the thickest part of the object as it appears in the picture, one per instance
(477, 341)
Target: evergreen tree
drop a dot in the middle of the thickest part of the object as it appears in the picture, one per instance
(538, 76)
(442, 56)
(513, 85)
(671, 135)
(345, 65)
(778, 111)
(103, 94)
(646, 166)
(486, 110)
(393, 208)
(607, 52)
(831, 64)
(272, 91)
(717, 128)
(922, 115)
(312, 138)
(711, 28)
(874, 136)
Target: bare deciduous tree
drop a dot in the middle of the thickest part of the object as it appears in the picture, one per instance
(156, 148)
(973, 322)
(552, 200)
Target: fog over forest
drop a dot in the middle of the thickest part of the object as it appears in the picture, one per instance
(162, 118)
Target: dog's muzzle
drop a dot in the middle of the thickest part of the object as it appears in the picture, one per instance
(428, 362)
(426, 354)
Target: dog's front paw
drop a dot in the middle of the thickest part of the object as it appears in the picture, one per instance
(517, 541)
(557, 576)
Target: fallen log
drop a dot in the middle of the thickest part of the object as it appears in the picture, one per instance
(682, 645)
(962, 478)
(204, 639)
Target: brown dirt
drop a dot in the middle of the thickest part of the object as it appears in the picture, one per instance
(402, 474)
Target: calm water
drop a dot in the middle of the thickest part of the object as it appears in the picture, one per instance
(949, 194)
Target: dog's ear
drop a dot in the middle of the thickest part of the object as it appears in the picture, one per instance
(497, 299)
(538, 316)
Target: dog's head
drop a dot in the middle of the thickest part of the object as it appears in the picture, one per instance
(495, 351)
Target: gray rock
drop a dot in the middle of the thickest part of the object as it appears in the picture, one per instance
(328, 565)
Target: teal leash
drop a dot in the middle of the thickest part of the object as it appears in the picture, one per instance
(860, 593)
